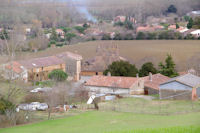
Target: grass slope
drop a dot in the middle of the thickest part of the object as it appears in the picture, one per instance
(111, 122)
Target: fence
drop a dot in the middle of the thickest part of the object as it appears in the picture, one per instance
(159, 107)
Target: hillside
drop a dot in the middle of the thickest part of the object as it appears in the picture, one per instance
(136, 52)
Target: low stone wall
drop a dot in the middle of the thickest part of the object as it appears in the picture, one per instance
(176, 94)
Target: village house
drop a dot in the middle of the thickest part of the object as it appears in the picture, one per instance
(194, 13)
(182, 29)
(123, 19)
(36, 69)
(60, 33)
(172, 27)
(72, 64)
(188, 32)
(152, 82)
(196, 33)
(145, 29)
(149, 28)
(184, 87)
(115, 85)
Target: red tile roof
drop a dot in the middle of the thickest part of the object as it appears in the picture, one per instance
(172, 27)
(41, 62)
(112, 81)
(157, 79)
(145, 29)
(15, 66)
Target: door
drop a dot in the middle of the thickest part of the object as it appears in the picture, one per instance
(146, 92)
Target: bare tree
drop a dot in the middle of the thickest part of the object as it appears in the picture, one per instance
(57, 96)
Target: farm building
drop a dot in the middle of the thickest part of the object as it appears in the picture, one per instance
(196, 33)
(184, 87)
(105, 55)
(124, 18)
(72, 64)
(152, 82)
(194, 13)
(117, 85)
(36, 69)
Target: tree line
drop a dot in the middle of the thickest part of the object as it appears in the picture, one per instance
(124, 68)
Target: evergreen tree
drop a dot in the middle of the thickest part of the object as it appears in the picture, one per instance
(169, 68)
(146, 68)
(177, 26)
(190, 23)
(54, 35)
(4, 35)
(171, 9)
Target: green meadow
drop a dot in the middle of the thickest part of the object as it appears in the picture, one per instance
(114, 122)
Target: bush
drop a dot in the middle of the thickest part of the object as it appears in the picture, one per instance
(140, 36)
(44, 83)
(128, 37)
(5, 104)
(80, 29)
(59, 44)
(119, 24)
(118, 36)
(106, 37)
(58, 75)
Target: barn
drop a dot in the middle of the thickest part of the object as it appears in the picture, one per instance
(184, 87)
(152, 82)
(115, 84)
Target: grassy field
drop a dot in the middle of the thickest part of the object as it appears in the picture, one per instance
(113, 122)
(130, 118)
(137, 52)
(142, 106)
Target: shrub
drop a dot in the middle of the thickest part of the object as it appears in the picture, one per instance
(5, 104)
(80, 29)
(58, 75)
(140, 36)
(106, 37)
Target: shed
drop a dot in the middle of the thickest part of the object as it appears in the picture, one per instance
(184, 87)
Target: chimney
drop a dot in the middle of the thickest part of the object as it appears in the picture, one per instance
(108, 74)
(150, 76)
(137, 75)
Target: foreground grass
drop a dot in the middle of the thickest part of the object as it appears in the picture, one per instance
(114, 122)
(190, 129)
(142, 106)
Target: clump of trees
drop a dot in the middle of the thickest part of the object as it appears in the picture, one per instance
(171, 9)
(128, 24)
(124, 68)
(58, 75)
(146, 68)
